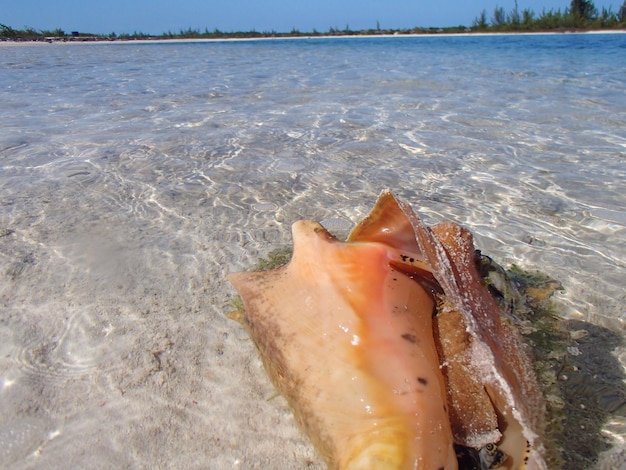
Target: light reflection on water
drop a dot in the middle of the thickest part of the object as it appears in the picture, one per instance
(135, 176)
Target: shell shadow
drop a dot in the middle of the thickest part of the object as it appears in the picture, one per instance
(591, 383)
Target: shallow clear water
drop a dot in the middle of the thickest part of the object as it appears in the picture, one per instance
(135, 176)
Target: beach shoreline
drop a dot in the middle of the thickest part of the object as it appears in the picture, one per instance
(158, 40)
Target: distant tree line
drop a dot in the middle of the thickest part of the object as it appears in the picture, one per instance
(580, 15)
(28, 34)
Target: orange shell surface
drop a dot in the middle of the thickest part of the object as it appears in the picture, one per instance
(346, 333)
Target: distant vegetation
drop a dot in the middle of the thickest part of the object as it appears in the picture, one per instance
(581, 15)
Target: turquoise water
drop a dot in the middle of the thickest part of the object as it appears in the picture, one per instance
(134, 176)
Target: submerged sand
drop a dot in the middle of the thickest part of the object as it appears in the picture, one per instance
(117, 353)
(133, 183)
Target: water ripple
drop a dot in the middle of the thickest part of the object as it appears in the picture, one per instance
(141, 175)
(61, 355)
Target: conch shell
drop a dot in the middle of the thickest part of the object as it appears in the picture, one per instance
(391, 352)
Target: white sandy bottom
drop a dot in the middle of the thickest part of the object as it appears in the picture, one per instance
(143, 174)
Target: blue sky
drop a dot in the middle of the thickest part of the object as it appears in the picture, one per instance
(159, 16)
